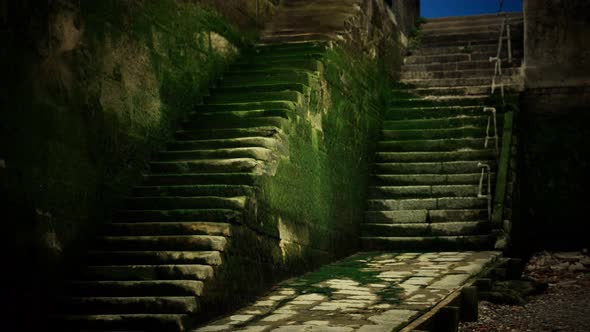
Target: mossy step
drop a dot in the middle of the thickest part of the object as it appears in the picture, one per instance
(257, 153)
(159, 257)
(236, 122)
(222, 143)
(244, 97)
(295, 37)
(130, 305)
(415, 100)
(148, 272)
(239, 165)
(425, 216)
(212, 215)
(448, 144)
(446, 167)
(463, 90)
(164, 203)
(136, 288)
(270, 58)
(438, 123)
(229, 133)
(306, 64)
(247, 106)
(258, 87)
(272, 76)
(436, 229)
(455, 243)
(201, 179)
(168, 228)
(238, 115)
(413, 113)
(456, 132)
(426, 203)
(222, 190)
(463, 155)
(397, 192)
(277, 48)
(123, 322)
(426, 179)
(163, 242)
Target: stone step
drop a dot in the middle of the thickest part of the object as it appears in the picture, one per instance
(238, 115)
(125, 322)
(466, 90)
(201, 179)
(453, 82)
(244, 97)
(447, 167)
(418, 113)
(425, 179)
(148, 272)
(239, 165)
(434, 38)
(257, 153)
(130, 305)
(448, 144)
(457, 57)
(300, 36)
(408, 99)
(491, 48)
(458, 66)
(159, 257)
(458, 132)
(162, 242)
(411, 76)
(165, 203)
(237, 123)
(470, 19)
(246, 106)
(440, 203)
(306, 64)
(211, 215)
(432, 191)
(258, 87)
(289, 47)
(462, 155)
(230, 133)
(425, 216)
(147, 288)
(491, 26)
(226, 190)
(168, 228)
(451, 243)
(224, 143)
(436, 229)
(273, 76)
(438, 123)
(271, 59)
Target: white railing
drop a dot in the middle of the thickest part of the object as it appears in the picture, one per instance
(486, 171)
(492, 118)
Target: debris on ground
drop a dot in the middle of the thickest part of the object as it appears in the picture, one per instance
(563, 306)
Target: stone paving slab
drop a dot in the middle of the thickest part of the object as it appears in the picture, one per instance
(366, 292)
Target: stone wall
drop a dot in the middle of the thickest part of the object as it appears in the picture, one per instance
(553, 126)
(90, 90)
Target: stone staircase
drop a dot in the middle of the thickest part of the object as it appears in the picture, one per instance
(155, 264)
(425, 180)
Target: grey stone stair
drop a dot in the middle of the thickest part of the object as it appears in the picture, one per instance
(157, 259)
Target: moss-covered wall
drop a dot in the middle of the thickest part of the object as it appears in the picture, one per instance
(89, 90)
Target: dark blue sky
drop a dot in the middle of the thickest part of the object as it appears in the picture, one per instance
(442, 8)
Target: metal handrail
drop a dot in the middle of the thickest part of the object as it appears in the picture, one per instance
(492, 116)
(486, 170)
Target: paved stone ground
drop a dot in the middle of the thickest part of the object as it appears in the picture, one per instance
(365, 292)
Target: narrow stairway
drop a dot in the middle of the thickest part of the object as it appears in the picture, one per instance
(154, 265)
(425, 180)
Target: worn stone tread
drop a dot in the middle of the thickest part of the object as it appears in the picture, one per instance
(165, 257)
(148, 272)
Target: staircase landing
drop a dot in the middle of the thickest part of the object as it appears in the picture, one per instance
(365, 292)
